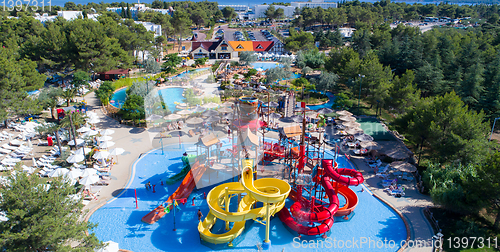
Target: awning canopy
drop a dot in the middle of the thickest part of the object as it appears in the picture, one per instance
(291, 131)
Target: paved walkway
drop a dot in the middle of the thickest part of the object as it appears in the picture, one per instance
(411, 205)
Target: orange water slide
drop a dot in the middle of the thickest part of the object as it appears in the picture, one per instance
(183, 191)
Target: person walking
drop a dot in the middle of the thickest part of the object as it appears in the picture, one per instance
(200, 215)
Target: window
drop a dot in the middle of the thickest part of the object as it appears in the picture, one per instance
(224, 48)
(260, 47)
(200, 50)
(239, 46)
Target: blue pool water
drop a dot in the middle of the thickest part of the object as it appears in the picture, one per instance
(329, 104)
(184, 73)
(119, 221)
(265, 65)
(170, 95)
(120, 96)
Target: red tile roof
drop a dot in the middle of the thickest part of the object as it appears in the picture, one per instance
(207, 45)
(262, 46)
(116, 71)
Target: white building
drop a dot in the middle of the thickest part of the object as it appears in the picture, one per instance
(44, 17)
(314, 4)
(140, 7)
(151, 27)
(237, 8)
(69, 15)
(260, 9)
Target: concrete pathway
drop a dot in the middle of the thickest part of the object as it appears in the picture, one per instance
(411, 205)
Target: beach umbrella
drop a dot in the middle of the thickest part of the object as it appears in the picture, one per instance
(101, 155)
(154, 117)
(227, 104)
(106, 144)
(184, 112)
(324, 111)
(274, 116)
(74, 174)
(265, 109)
(89, 172)
(58, 172)
(82, 150)
(403, 166)
(352, 131)
(78, 142)
(83, 129)
(109, 246)
(210, 105)
(363, 137)
(216, 92)
(209, 113)
(194, 120)
(107, 132)
(213, 119)
(351, 124)
(90, 133)
(370, 145)
(172, 117)
(89, 180)
(75, 159)
(272, 104)
(198, 109)
(301, 109)
(347, 118)
(344, 113)
(225, 110)
(297, 118)
(104, 138)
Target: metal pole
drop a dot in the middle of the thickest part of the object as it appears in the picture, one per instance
(161, 140)
(492, 128)
(267, 224)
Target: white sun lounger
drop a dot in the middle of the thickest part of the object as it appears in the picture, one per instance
(4, 151)
(8, 147)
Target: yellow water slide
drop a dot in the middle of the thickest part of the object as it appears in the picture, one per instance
(272, 192)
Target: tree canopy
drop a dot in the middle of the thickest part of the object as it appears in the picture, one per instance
(43, 217)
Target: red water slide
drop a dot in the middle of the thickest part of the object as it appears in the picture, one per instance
(303, 211)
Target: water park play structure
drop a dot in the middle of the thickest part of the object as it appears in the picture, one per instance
(269, 191)
(312, 182)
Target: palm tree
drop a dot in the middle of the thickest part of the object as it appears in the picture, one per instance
(72, 120)
(68, 95)
(51, 128)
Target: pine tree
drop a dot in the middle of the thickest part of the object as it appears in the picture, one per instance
(43, 218)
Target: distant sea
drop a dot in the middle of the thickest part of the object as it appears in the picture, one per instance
(238, 2)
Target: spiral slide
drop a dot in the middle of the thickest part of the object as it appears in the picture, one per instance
(301, 209)
(271, 192)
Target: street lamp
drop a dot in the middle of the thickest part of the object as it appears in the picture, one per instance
(492, 128)
(359, 96)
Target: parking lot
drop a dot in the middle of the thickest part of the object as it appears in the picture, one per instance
(239, 35)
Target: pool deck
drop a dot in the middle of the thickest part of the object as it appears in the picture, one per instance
(137, 141)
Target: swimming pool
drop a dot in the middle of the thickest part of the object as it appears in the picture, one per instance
(170, 95)
(120, 96)
(265, 65)
(329, 104)
(196, 70)
(119, 220)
